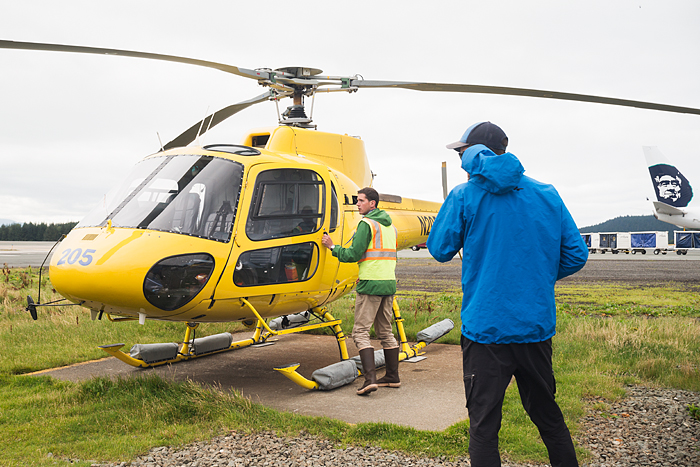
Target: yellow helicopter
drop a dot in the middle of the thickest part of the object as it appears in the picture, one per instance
(232, 232)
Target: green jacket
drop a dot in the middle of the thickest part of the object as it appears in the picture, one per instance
(360, 242)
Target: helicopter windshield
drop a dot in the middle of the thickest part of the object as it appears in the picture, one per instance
(191, 195)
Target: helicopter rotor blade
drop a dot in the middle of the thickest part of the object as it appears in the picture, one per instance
(478, 89)
(244, 72)
(214, 119)
(284, 77)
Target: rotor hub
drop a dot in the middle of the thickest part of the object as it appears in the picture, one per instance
(299, 72)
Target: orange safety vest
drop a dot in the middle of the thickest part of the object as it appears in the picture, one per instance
(379, 261)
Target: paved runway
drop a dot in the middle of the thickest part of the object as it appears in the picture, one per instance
(23, 254)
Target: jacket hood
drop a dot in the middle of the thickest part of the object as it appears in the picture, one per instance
(491, 172)
(380, 216)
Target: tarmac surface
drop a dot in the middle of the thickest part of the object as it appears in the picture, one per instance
(431, 396)
(23, 254)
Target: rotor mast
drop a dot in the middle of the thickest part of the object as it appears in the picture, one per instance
(295, 115)
(297, 82)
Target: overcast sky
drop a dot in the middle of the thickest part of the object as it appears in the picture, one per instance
(72, 125)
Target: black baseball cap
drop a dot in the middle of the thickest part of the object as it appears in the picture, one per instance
(485, 133)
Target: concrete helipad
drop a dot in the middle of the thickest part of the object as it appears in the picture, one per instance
(431, 396)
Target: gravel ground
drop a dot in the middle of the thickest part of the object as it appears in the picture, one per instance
(650, 427)
(266, 449)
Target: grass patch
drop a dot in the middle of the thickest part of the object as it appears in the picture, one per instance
(608, 336)
(659, 351)
(56, 423)
(629, 300)
(694, 411)
(60, 423)
(65, 335)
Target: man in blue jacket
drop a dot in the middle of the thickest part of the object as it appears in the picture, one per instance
(518, 239)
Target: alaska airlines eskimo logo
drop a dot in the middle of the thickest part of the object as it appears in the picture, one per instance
(671, 186)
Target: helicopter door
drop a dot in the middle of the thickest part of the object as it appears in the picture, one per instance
(335, 231)
(278, 261)
(348, 272)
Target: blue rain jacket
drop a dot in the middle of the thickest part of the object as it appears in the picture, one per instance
(518, 239)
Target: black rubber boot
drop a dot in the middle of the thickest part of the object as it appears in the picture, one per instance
(368, 371)
(391, 378)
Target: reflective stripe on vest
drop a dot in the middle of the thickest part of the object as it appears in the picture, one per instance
(379, 261)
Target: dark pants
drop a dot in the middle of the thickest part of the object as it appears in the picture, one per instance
(488, 369)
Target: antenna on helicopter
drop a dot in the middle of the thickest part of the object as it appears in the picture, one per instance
(210, 120)
(201, 124)
(31, 305)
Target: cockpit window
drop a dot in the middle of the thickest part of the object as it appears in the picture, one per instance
(192, 195)
(286, 203)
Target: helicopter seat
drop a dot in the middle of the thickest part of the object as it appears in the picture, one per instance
(266, 258)
(218, 231)
(264, 264)
(282, 226)
(219, 223)
(186, 213)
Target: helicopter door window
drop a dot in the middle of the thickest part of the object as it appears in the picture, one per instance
(291, 263)
(286, 203)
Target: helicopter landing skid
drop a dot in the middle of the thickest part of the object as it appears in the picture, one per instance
(344, 372)
(152, 355)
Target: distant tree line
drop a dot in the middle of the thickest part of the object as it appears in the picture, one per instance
(30, 232)
(633, 224)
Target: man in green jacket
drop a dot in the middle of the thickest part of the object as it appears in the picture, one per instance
(374, 249)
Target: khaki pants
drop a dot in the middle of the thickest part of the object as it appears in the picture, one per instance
(375, 309)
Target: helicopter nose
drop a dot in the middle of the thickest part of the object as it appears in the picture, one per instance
(126, 271)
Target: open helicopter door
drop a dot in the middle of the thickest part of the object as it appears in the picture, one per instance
(277, 261)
